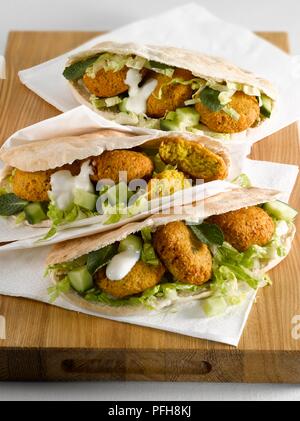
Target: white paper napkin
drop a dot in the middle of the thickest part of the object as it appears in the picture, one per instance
(25, 279)
(192, 27)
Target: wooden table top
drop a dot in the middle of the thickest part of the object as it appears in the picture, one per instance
(266, 351)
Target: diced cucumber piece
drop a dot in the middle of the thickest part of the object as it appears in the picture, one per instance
(132, 242)
(123, 105)
(34, 213)
(267, 105)
(188, 116)
(118, 194)
(80, 279)
(171, 115)
(180, 119)
(214, 306)
(85, 199)
(170, 125)
(280, 210)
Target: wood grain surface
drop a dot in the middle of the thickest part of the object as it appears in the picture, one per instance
(45, 342)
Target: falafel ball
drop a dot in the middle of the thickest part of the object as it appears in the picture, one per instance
(193, 159)
(166, 183)
(110, 163)
(141, 277)
(186, 258)
(247, 106)
(172, 96)
(107, 83)
(34, 186)
(245, 227)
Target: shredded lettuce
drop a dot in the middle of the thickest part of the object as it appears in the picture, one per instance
(59, 217)
(108, 62)
(232, 113)
(58, 289)
(176, 81)
(235, 273)
(136, 62)
(150, 298)
(65, 267)
(119, 202)
(160, 165)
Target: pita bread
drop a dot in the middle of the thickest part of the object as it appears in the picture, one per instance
(222, 203)
(201, 65)
(56, 152)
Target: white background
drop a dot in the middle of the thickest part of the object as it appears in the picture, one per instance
(267, 15)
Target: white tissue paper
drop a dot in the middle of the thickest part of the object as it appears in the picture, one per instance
(193, 27)
(82, 120)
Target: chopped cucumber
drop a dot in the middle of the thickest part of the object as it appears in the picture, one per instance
(132, 242)
(85, 199)
(267, 105)
(80, 279)
(170, 125)
(34, 213)
(123, 105)
(188, 116)
(180, 119)
(280, 210)
(171, 115)
(118, 194)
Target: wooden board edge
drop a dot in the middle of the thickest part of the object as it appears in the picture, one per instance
(165, 366)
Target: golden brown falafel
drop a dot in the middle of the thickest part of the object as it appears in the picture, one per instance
(141, 277)
(193, 159)
(247, 106)
(107, 83)
(186, 258)
(245, 227)
(166, 183)
(34, 186)
(172, 96)
(110, 163)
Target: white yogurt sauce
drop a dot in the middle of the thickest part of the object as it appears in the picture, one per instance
(121, 264)
(137, 101)
(282, 228)
(63, 185)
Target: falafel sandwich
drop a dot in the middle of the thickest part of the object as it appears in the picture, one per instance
(104, 177)
(169, 89)
(217, 257)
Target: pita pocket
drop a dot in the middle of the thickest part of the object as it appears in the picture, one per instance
(170, 89)
(105, 177)
(166, 260)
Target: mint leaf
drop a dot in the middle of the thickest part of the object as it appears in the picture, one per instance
(97, 259)
(209, 234)
(210, 98)
(76, 70)
(10, 204)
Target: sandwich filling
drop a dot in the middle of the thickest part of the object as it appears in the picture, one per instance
(140, 92)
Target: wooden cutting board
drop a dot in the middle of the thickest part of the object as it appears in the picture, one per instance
(49, 343)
